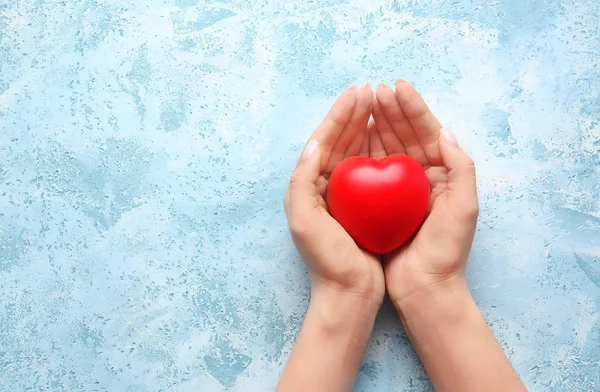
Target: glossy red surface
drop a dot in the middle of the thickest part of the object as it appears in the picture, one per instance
(380, 203)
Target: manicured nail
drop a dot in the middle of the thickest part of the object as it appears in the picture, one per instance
(449, 137)
(383, 85)
(348, 90)
(309, 150)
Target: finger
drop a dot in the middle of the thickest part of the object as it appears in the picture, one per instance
(356, 144)
(438, 183)
(386, 134)
(424, 124)
(356, 124)
(322, 186)
(330, 130)
(437, 175)
(462, 185)
(402, 127)
(364, 147)
(376, 147)
(303, 196)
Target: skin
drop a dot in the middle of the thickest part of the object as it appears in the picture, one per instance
(425, 278)
(347, 283)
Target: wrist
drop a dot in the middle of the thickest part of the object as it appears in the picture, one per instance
(331, 343)
(454, 342)
(433, 300)
(339, 310)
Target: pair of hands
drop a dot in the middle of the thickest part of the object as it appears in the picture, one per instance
(378, 124)
(424, 278)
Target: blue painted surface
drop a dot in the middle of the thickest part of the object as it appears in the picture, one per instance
(145, 147)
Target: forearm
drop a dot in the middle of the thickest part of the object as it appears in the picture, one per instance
(454, 342)
(331, 344)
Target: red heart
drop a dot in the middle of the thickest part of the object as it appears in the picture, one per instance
(380, 203)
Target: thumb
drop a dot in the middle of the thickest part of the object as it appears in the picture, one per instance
(302, 191)
(462, 186)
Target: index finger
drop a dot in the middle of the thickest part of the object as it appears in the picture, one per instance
(425, 125)
(330, 129)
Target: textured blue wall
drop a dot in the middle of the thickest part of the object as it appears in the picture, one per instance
(145, 147)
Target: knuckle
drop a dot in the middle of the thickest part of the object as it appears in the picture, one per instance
(295, 181)
(470, 165)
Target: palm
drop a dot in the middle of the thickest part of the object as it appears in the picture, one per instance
(336, 240)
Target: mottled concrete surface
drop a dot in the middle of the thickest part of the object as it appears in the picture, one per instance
(146, 145)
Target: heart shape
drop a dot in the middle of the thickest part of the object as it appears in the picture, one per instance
(380, 203)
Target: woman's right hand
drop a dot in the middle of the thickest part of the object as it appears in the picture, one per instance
(347, 283)
(334, 261)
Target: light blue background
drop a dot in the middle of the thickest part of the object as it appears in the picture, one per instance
(145, 147)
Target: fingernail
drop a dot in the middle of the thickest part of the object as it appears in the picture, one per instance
(348, 90)
(400, 81)
(365, 86)
(309, 150)
(382, 85)
(449, 137)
